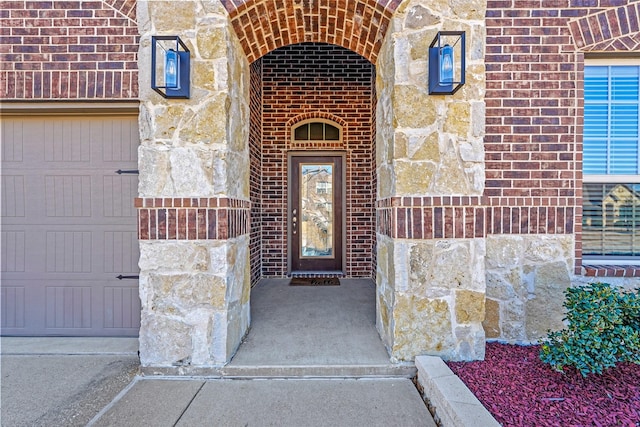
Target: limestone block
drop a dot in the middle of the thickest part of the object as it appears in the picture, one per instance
(513, 310)
(499, 285)
(181, 293)
(420, 265)
(401, 59)
(207, 124)
(469, 306)
(386, 181)
(475, 176)
(213, 7)
(164, 341)
(417, 145)
(419, 46)
(413, 177)
(168, 119)
(237, 168)
(153, 165)
(471, 151)
(504, 251)
(237, 276)
(421, 326)
(237, 326)
(211, 41)
(418, 17)
(170, 17)
(513, 332)
(478, 113)
(476, 43)
(453, 260)
(195, 170)
(411, 107)
(542, 248)
(458, 117)
(466, 9)
(173, 256)
(491, 321)
(470, 343)
(544, 308)
(450, 177)
(474, 87)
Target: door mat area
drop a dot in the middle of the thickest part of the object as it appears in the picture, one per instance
(314, 281)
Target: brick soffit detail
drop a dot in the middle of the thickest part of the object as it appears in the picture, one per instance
(265, 25)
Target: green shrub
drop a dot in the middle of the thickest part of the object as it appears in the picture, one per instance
(603, 329)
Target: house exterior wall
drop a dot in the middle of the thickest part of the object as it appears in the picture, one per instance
(61, 50)
(194, 194)
(533, 155)
(491, 174)
(430, 257)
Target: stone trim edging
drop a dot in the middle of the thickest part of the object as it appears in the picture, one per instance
(449, 400)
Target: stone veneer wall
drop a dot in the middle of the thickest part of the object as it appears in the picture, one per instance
(430, 163)
(194, 176)
(535, 58)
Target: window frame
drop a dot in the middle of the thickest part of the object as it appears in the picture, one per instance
(311, 121)
(630, 260)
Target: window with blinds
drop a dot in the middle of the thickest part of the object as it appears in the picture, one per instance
(611, 163)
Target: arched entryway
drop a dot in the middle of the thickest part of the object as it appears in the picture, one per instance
(210, 168)
(312, 83)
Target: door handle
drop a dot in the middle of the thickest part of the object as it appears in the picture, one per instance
(294, 221)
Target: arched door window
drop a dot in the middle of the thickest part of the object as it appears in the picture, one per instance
(316, 130)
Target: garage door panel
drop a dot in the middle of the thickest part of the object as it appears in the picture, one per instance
(67, 140)
(13, 307)
(121, 252)
(13, 248)
(121, 307)
(68, 195)
(118, 194)
(69, 227)
(68, 307)
(13, 191)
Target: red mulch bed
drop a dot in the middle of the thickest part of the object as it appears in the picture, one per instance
(519, 390)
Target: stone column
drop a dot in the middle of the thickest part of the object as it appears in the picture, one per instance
(430, 163)
(194, 192)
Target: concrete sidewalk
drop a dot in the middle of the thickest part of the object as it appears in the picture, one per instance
(62, 381)
(76, 382)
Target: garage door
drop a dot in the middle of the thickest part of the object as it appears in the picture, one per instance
(69, 226)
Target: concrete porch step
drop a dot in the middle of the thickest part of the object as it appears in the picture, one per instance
(405, 370)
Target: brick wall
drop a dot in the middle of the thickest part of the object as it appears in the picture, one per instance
(322, 81)
(255, 178)
(265, 25)
(533, 145)
(52, 50)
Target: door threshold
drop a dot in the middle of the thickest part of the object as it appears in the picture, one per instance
(313, 274)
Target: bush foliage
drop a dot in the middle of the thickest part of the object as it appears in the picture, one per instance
(603, 329)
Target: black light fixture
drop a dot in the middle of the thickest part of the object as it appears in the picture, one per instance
(170, 67)
(446, 63)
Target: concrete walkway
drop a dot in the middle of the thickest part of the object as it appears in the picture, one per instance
(77, 382)
(62, 381)
(312, 358)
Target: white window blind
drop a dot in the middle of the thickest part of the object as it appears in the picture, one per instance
(611, 163)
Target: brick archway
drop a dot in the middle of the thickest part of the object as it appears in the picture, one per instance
(265, 25)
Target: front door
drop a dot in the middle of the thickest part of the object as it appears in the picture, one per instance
(316, 213)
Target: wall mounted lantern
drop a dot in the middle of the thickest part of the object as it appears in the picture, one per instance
(170, 67)
(446, 63)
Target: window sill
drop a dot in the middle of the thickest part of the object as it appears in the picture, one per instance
(611, 270)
